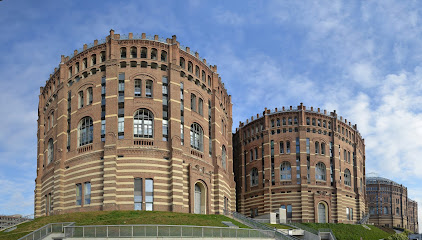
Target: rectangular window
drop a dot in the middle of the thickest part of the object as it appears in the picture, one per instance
(297, 145)
(272, 163)
(193, 102)
(288, 147)
(149, 194)
(165, 130)
(89, 93)
(87, 194)
(289, 211)
(297, 169)
(148, 89)
(200, 106)
(165, 107)
(81, 99)
(347, 214)
(121, 126)
(281, 147)
(138, 193)
(307, 146)
(138, 87)
(121, 76)
(78, 194)
(182, 119)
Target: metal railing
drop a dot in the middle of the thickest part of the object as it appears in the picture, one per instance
(304, 227)
(260, 226)
(364, 219)
(129, 231)
(327, 230)
(46, 230)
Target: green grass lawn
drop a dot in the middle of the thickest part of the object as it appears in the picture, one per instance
(350, 231)
(121, 218)
(278, 226)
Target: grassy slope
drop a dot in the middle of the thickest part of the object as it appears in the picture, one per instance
(351, 232)
(121, 218)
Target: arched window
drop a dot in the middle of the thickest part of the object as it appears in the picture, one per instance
(316, 147)
(144, 52)
(123, 52)
(197, 137)
(203, 76)
(154, 54)
(308, 121)
(313, 122)
(143, 124)
(50, 153)
(93, 59)
(209, 81)
(397, 211)
(347, 178)
(133, 52)
(76, 67)
(385, 210)
(284, 121)
(102, 56)
(163, 56)
(285, 171)
(251, 155)
(182, 63)
(223, 157)
(322, 148)
(85, 131)
(320, 171)
(196, 70)
(84, 63)
(254, 177)
(190, 67)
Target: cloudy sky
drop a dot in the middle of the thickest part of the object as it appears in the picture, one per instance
(363, 59)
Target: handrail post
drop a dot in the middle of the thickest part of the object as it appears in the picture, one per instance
(202, 231)
(157, 232)
(119, 231)
(132, 230)
(107, 231)
(95, 231)
(83, 231)
(181, 231)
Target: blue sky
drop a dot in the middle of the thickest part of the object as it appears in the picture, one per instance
(361, 58)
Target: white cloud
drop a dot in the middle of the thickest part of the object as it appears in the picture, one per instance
(224, 16)
(363, 73)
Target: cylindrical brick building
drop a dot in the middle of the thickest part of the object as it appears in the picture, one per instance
(134, 122)
(307, 161)
(389, 205)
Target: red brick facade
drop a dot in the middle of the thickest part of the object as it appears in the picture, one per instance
(389, 205)
(302, 158)
(87, 112)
